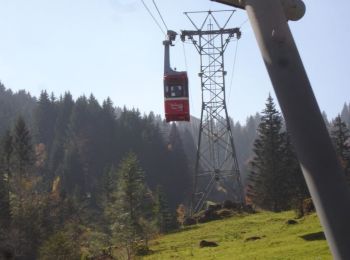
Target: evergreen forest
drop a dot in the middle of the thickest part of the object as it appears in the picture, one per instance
(80, 179)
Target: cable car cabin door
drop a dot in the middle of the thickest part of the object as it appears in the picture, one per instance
(176, 97)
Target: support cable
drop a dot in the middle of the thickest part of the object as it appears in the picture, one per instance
(160, 15)
(154, 19)
(242, 24)
(234, 61)
(233, 72)
(189, 92)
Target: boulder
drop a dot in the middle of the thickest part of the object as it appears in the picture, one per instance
(229, 204)
(205, 243)
(224, 213)
(189, 221)
(214, 207)
(291, 222)
(208, 215)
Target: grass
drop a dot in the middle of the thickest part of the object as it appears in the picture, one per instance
(276, 239)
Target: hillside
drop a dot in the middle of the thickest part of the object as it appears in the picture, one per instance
(71, 158)
(259, 236)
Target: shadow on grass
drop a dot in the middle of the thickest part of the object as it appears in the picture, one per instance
(314, 236)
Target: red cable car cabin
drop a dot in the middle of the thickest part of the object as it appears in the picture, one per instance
(176, 102)
(176, 97)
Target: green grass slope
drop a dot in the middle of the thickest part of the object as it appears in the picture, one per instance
(278, 240)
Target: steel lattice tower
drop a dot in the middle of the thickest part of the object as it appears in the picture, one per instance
(217, 175)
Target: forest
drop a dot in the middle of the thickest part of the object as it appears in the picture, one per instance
(80, 179)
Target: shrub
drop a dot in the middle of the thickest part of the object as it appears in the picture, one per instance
(59, 246)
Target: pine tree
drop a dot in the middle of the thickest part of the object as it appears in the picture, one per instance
(26, 204)
(178, 179)
(265, 181)
(23, 158)
(75, 167)
(107, 133)
(130, 204)
(340, 135)
(165, 221)
(13, 104)
(64, 107)
(73, 179)
(7, 151)
(325, 119)
(4, 202)
(5, 156)
(60, 246)
(293, 180)
(108, 195)
(345, 114)
(109, 185)
(45, 118)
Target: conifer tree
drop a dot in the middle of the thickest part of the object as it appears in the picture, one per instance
(293, 181)
(108, 195)
(325, 119)
(107, 133)
(266, 177)
(13, 104)
(129, 206)
(341, 139)
(26, 205)
(45, 118)
(5, 156)
(64, 110)
(165, 221)
(178, 179)
(75, 168)
(73, 179)
(23, 152)
(276, 181)
(345, 114)
(22, 162)
(109, 182)
(7, 150)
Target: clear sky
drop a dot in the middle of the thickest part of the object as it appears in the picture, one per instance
(113, 48)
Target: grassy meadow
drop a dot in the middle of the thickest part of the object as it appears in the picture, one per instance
(262, 235)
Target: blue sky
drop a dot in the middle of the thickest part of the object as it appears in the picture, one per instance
(113, 48)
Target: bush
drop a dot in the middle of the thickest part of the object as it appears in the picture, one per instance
(142, 250)
(59, 246)
(308, 206)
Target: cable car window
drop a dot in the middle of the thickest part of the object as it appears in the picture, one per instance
(176, 91)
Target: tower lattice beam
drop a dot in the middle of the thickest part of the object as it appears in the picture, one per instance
(217, 175)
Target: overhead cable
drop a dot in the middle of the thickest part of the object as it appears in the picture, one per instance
(233, 71)
(160, 15)
(154, 19)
